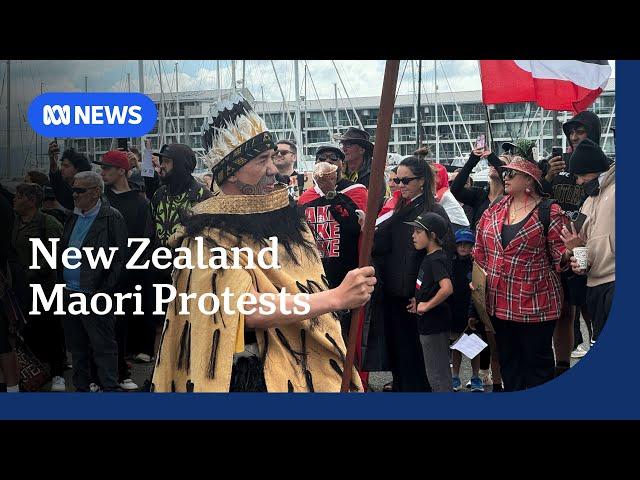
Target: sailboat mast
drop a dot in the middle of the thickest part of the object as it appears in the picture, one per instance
(177, 105)
(233, 76)
(161, 126)
(141, 88)
(335, 94)
(243, 70)
(418, 106)
(8, 118)
(297, 99)
(41, 145)
(435, 97)
(218, 75)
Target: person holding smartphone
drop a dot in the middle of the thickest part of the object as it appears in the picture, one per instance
(479, 198)
(563, 187)
(62, 177)
(592, 170)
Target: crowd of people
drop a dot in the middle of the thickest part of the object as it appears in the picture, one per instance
(431, 228)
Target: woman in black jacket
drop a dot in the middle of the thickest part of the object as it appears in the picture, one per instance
(479, 198)
(398, 261)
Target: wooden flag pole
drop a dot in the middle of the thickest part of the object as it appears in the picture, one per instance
(376, 181)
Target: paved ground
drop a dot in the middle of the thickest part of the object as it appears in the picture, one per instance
(141, 372)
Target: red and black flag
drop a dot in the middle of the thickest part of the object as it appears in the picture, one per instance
(570, 85)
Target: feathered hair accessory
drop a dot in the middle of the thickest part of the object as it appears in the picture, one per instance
(232, 135)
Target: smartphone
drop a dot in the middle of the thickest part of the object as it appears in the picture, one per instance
(578, 221)
(556, 152)
(481, 142)
(123, 144)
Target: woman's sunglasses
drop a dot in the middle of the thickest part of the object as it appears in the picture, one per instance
(509, 174)
(404, 181)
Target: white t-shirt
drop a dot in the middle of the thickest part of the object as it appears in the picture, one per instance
(453, 209)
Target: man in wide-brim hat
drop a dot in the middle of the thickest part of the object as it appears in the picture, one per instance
(358, 152)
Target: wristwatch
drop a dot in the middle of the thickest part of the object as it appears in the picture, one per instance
(331, 195)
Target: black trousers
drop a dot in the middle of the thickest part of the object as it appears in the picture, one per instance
(526, 353)
(599, 301)
(404, 348)
(92, 337)
(142, 328)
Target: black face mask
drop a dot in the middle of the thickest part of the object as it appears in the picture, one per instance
(592, 187)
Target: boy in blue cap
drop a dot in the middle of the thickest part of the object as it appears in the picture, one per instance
(460, 301)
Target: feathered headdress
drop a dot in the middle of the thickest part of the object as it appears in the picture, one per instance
(233, 135)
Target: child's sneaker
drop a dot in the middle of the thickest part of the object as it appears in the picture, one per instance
(477, 384)
(456, 383)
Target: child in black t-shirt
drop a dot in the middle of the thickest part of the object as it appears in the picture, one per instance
(433, 286)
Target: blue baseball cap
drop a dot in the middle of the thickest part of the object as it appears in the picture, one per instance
(465, 235)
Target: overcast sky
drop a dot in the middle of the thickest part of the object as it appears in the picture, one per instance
(361, 78)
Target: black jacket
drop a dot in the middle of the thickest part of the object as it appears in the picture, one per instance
(475, 197)
(62, 190)
(462, 268)
(108, 230)
(393, 246)
(136, 211)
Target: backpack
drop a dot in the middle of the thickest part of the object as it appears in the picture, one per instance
(544, 213)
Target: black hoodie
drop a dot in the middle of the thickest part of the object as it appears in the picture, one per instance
(135, 209)
(563, 187)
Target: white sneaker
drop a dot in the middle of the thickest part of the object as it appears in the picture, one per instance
(94, 387)
(579, 352)
(142, 358)
(128, 384)
(58, 384)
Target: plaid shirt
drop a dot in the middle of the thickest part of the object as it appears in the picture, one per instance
(523, 284)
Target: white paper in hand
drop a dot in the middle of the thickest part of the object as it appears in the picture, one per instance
(469, 345)
(147, 164)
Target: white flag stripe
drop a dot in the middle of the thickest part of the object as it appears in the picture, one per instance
(384, 217)
(586, 75)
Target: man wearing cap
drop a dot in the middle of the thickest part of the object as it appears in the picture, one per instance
(62, 177)
(281, 350)
(128, 201)
(134, 207)
(330, 208)
(598, 233)
(179, 191)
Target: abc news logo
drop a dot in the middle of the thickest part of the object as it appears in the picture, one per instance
(91, 115)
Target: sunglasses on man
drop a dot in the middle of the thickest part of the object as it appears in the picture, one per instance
(80, 190)
(404, 181)
(283, 153)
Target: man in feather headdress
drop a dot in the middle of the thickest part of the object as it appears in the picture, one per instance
(283, 351)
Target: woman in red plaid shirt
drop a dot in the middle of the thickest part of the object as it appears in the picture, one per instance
(524, 295)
